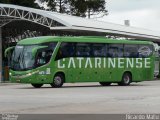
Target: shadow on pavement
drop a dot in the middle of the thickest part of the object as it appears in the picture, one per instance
(84, 86)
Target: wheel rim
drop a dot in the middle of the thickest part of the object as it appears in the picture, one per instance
(57, 80)
(126, 79)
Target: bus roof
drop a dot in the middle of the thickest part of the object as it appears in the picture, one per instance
(94, 39)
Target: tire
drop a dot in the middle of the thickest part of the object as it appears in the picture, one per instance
(37, 85)
(58, 81)
(105, 83)
(158, 76)
(126, 79)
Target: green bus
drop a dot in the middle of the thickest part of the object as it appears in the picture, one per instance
(56, 60)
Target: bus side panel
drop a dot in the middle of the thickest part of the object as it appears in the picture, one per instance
(89, 71)
(114, 70)
(150, 71)
(84, 71)
(142, 73)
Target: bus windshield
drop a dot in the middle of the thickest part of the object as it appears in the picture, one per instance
(22, 58)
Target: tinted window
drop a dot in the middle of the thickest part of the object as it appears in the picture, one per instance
(115, 50)
(83, 49)
(99, 50)
(42, 58)
(145, 50)
(131, 51)
(52, 45)
(66, 50)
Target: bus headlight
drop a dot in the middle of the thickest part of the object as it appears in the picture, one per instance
(29, 74)
(10, 73)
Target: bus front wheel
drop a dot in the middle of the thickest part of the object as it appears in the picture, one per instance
(58, 81)
(37, 85)
(126, 79)
(105, 83)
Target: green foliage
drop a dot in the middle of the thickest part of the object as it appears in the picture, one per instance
(55, 5)
(95, 7)
(4, 1)
(81, 8)
(78, 8)
(26, 3)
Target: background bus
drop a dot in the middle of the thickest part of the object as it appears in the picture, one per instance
(58, 60)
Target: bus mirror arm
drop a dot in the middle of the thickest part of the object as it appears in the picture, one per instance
(34, 51)
(9, 51)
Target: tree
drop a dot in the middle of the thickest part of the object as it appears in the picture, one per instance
(81, 8)
(55, 5)
(4, 1)
(96, 7)
(88, 8)
(78, 8)
(26, 3)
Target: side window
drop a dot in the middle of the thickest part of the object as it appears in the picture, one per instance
(48, 55)
(115, 50)
(145, 50)
(131, 51)
(49, 51)
(99, 50)
(66, 50)
(41, 58)
(83, 49)
(44, 57)
(52, 46)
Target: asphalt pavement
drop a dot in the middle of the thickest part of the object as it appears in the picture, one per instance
(81, 98)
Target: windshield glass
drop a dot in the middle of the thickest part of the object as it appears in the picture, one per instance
(22, 57)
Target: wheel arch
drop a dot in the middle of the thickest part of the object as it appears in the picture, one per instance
(129, 73)
(62, 73)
